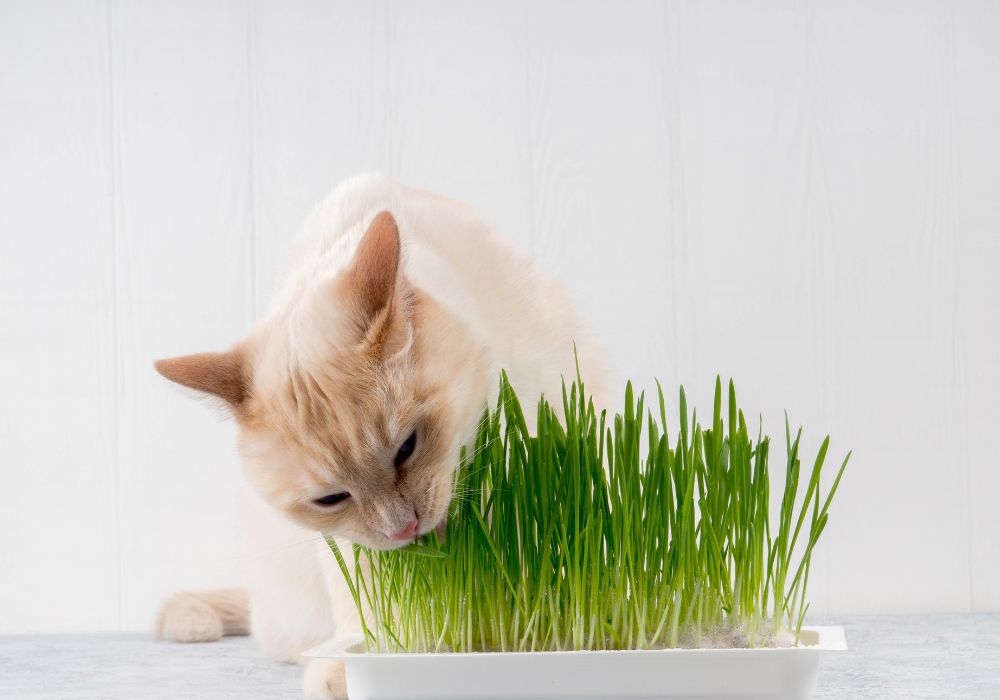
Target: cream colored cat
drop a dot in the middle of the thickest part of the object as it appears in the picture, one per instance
(355, 394)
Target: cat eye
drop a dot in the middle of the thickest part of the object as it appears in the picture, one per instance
(333, 499)
(406, 449)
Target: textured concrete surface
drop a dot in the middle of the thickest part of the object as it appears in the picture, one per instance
(939, 656)
(947, 656)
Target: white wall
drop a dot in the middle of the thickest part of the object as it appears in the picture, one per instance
(802, 195)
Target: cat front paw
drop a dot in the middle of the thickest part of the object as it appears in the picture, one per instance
(324, 680)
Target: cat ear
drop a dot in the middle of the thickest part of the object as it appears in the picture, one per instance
(221, 374)
(380, 294)
(374, 271)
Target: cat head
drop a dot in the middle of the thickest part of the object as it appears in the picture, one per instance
(352, 404)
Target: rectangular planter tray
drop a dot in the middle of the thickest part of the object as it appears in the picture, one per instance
(787, 673)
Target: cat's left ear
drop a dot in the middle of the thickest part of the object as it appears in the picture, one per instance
(378, 289)
(221, 374)
(374, 272)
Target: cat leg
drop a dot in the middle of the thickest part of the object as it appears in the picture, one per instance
(347, 620)
(324, 678)
(288, 592)
(204, 616)
(298, 594)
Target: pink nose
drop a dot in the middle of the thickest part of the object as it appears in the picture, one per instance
(408, 532)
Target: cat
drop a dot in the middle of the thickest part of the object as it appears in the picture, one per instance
(354, 395)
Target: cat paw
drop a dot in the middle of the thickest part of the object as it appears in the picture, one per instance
(188, 618)
(324, 680)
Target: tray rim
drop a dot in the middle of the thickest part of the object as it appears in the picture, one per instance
(829, 638)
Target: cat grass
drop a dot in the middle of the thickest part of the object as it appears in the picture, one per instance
(585, 531)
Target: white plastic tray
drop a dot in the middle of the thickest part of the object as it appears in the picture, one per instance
(721, 674)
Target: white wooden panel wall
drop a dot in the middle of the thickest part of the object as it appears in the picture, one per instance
(802, 195)
(183, 159)
(60, 545)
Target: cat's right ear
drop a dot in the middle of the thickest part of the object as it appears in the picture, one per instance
(221, 374)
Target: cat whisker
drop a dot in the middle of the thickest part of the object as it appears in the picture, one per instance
(261, 554)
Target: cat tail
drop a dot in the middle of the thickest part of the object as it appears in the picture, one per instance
(204, 616)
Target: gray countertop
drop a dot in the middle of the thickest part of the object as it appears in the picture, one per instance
(943, 656)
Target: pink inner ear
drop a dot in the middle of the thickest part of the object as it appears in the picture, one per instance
(220, 373)
(376, 265)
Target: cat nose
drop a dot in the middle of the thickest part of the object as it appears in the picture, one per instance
(408, 532)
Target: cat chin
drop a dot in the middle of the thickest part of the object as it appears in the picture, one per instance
(429, 525)
(442, 527)
(380, 543)
(386, 544)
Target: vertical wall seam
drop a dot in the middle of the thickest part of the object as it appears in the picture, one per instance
(944, 155)
(117, 375)
(533, 226)
(255, 292)
(388, 118)
(952, 167)
(662, 69)
(688, 216)
(670, 101)
(820, 281)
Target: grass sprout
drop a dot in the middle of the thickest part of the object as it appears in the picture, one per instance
(585, 531)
